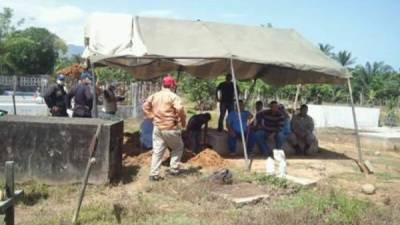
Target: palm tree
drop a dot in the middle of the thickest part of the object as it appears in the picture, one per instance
(368, 76)
(345, 58)
(327, 49)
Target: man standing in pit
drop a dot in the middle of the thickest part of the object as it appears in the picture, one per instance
(169, 117)
(194, 128)
(225, 96)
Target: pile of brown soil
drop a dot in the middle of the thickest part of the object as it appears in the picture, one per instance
(208, 158)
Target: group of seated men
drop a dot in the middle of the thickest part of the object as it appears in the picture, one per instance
(273, 122)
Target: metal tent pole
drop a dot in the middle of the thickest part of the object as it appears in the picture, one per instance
(358, 142)
(247, 163)
(94, 108)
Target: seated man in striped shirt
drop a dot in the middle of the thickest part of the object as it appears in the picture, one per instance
(272, 124)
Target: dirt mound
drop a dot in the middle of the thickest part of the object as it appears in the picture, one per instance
(208, 158)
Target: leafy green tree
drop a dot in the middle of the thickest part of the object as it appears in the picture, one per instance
(369, 80)
(33, 51)
(112, 74)
(201, 91)
(6, 26)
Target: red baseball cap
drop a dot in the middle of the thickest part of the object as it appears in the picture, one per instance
(169, 81)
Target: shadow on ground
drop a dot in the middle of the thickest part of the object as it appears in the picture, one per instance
(129, 173)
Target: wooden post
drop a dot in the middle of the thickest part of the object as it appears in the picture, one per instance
(9, 172)
(13, 95)
(358, 142)
(91, 162)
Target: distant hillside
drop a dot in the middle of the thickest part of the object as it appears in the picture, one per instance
(74, 50)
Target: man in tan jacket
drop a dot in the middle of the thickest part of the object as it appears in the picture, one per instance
(168, 114)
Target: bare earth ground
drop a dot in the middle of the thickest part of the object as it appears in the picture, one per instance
(336, 199)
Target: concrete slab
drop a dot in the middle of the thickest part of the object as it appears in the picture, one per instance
(242, 193)
(306, 182)
(381, 138)
(249, 200)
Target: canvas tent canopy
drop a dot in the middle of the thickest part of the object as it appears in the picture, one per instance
(150, 47)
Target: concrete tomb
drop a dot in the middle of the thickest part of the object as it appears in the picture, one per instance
(56, 150)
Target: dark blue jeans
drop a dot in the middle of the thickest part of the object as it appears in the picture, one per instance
(195, 137)
(232, 141)
(260, 138)
(223, 107)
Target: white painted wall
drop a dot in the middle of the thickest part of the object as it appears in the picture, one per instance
(341, 116)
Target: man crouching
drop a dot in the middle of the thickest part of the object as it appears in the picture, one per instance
(168, 114)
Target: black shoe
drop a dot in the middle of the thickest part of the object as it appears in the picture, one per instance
(155, 178)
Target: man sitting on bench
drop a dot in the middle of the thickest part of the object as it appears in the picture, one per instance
(302, 137)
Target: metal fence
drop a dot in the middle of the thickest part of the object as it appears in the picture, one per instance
(26, 83)
(140, 90)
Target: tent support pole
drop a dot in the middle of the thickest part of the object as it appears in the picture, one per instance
(94, 109)
(358, 142)
(247, 163)
(296, 98)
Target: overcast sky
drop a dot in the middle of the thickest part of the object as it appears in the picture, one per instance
(370, 29)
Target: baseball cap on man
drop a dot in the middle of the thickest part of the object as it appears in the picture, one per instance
(85, 75)
(168, 81)
(61, 77)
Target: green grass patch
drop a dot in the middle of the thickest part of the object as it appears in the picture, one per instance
(263, 179)
(331, 207)
(387, 161)
(356, 176)
(34, 191)
(170, 219)
(385, 176)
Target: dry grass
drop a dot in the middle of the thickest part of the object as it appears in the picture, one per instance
(188, 200)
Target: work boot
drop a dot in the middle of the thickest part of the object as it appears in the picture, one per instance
(155, 178)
